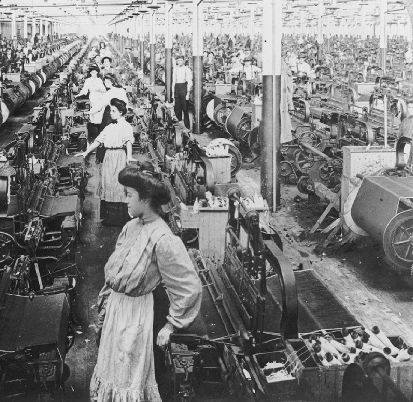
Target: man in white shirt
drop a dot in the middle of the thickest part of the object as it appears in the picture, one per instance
(304, 68)
(181, 86)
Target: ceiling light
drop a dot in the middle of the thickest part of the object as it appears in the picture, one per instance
(332, 6)
(154, 5)
(288, 10)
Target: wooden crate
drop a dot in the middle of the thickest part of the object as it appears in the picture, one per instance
(281, 389)
(14, 77)
(211, 224)
(324, 384)
(31, 67)
(221, 165)
(222, 89)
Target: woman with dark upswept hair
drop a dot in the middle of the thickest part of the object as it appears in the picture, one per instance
(117, 139)
(147, 253)
(114, 90)
(95, 88)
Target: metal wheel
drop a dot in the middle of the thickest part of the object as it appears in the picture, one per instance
(221, 112)
(6, 246)
(325, 171)
(236, 159)
(305, 185)
(398, 240)
(304, 161)
(310, 137)
(286, 169)
(254, 141)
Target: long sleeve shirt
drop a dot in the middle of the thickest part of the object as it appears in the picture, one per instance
(104, 99)
(180, 75)
(146, 254)
(92, 85)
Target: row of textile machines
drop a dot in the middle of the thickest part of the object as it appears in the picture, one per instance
(349, 152)
(346, 150)
(266, 331)
(41, 202)
(17, 88)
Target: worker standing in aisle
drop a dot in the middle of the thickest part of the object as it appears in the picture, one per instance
(147, 253)
(95, 88)
(117, 139)
(181, 86)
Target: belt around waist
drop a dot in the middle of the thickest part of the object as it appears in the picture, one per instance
(181, 83)
(114, 148)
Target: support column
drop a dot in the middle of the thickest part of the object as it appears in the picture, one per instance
(138, 42)
(197, 52)
(25, 33)
(383, 34)
(320, 38)
(271, 117)
(251, 22)
(46, 27)
(168, 53)
(14, 28)
(152, 47)
(142, 58)
(34, 31)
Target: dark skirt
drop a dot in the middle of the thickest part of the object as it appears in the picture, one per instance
(106, 119)
(114, 213)
(92, 132)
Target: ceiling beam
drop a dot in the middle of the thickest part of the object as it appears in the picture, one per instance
(43, 5)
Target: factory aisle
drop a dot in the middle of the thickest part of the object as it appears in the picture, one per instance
(97, 244)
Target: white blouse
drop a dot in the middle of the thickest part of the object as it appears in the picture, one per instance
(118, 93)
(92, 85)
(116, 135)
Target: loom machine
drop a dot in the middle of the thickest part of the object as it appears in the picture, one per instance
(346, 115)
(18, 88)
(41, 196)
(256, 327)
(368, 128)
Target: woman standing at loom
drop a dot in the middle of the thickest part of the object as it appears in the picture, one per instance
(117, 139)
(93, 87)
(147, 253)
(114, 90)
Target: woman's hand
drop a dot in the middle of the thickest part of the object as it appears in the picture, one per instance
(132, 161)
(164, 335)
(98, 331)
(81, 154)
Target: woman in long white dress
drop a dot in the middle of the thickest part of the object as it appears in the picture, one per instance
(147, 253)
(113, 90)
(95, 88)
(117, 139)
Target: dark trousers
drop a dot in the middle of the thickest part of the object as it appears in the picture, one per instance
(181, 104)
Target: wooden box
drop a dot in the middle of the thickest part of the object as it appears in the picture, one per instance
(15, 77)
(31, 67)
(221, 165)
(281, 389)
(222, 89)
(324, 384)
(211, 224)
